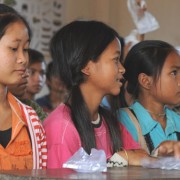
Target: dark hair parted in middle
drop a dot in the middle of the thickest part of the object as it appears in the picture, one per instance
(8, 15)
(146, 57)
(72, 47)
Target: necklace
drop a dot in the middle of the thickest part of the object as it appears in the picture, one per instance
(157, 114)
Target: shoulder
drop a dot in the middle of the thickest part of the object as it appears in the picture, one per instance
(123, 114)
(59, 126)
(44, 99)
(174, 115)
(136, 107)
(26, 105)
(39, 111)
(172, 112)
(60, 116)
(31, 117)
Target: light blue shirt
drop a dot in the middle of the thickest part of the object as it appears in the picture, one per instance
(149, 125)
(105, 103)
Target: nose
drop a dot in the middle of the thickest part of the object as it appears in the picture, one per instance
(37, 77)
(178, 79)
(22, 58)
(178, 82)
(121, 68)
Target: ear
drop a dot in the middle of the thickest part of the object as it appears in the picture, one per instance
(145, 81)
(87, 69)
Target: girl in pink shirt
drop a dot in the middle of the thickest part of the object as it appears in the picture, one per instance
(86, 55)
(64, 139)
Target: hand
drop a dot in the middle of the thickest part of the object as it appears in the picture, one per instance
(135, 157)
(169, 148)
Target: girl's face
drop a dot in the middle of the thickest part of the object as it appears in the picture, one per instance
(107, 72)
(167, 89)
(14, 57)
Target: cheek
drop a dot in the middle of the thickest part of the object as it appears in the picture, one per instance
(29, 80)
(165, 92)
(6, 58)
(111, 69)
(6, 65)
(169, 84)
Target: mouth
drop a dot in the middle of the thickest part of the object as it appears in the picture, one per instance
(121, 80)
(21, 71)
(37, 86)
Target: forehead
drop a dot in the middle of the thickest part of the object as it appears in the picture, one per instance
(16, 31)
(17, 25)
(116, 44)
(113, 47)
(172, 60)
(38, 66)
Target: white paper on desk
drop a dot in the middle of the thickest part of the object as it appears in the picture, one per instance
(162, 163)
(83, 162)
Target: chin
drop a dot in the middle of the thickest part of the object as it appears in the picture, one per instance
(115, 93)
(36, 90)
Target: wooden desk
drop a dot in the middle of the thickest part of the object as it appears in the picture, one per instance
(112, 174)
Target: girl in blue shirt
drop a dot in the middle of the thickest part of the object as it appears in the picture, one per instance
(153, 80)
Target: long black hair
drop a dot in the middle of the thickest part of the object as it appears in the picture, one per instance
(72, 47)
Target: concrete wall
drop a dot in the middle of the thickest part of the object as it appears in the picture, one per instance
(115, 13)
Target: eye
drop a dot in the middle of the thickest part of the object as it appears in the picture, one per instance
(26, 49)
(31, 72)
(13, 48)
(174, 73)
(117, 60)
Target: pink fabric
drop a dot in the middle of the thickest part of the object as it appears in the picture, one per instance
(63, 139)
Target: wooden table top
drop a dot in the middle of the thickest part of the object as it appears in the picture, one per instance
(111, 174)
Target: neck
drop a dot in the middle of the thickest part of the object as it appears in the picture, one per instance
(56, 97)
(162, 114)
(92, 100)
(152, 106)
(3, 94)
(160, 117)
(28, 96)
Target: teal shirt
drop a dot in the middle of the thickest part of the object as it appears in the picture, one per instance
(149, 125)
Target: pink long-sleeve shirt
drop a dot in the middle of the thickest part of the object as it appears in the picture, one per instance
(63, 139)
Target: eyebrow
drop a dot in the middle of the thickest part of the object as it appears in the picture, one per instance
(176, 67)
(19, 40)
(118, 52)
